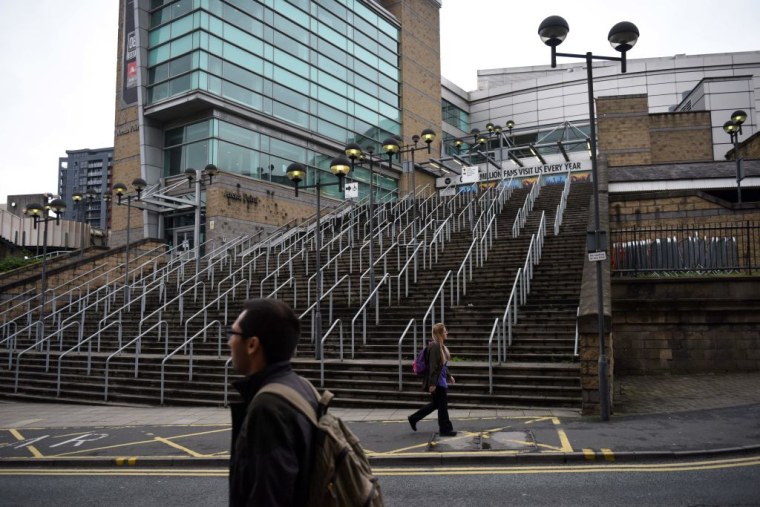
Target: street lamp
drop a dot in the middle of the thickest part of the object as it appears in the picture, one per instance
(200, 179)
(622, 37)
(296, 172)
(40, 214)
(121, 192)
(733, 128)
(354, 153)
(391, 147)
(77, 198)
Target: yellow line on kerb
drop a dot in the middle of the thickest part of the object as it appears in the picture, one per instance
(32, 449)
(589, 454)
(126, 461)
(608, 454)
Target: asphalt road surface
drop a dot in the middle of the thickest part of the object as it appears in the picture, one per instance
(717, 481)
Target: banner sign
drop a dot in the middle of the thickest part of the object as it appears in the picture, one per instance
(490, 173)
(129, 56)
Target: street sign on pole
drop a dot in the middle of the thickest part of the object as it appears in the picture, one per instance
(352, 190)
(597, 256)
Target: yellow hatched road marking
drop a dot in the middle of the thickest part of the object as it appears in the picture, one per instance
(180, 447)
(18, 436)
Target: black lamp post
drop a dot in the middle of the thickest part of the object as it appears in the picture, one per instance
(340, 167)
(77, 197)
(40, 214)
(200, 178)
(733, 128)
(622, 38)
(391, 147)
(354, 153)
(121, 192)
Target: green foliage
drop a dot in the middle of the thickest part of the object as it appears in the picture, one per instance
(15, 262)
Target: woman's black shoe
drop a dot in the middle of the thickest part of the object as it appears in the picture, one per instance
(448, 434)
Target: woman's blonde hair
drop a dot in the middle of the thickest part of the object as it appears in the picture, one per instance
(440, 338)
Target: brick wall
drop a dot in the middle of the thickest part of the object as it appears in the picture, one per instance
(629, 135)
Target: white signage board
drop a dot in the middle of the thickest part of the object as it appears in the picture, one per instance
(470, 174)
(447, 192)
(597, 256)
(352, 190)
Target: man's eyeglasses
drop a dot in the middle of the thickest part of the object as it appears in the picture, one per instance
(230, 334)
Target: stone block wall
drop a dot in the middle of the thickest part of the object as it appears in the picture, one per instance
(705, 325)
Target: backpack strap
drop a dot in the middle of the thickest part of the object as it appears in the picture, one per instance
(297, 400)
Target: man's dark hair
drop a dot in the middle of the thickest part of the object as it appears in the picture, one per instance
(276, 325)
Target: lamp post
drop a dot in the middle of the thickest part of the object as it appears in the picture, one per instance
(296, 172)
(121, 192)
(200, 179)
(622, 37)
(733, 128)
(40, 214)
(391, 147)
(354, 153)
(77, 198)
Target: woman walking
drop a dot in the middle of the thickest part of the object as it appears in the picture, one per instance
(437, 383)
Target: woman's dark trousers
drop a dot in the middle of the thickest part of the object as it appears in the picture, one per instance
(440, 401)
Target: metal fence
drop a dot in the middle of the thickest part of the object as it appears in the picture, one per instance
(663, 251)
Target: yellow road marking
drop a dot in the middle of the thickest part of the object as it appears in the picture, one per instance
(142, 442)
(126, 461)
(18, 436)
(180, 447)
(608, 454)
(589, 454)
(566, 447)
(394, 471)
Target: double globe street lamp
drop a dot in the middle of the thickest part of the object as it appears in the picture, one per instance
(200, 178)
(79, 202)
(39, 213)
(733, 128)
(391, 147)
(121, 192)
(622, 37)
(340, 167)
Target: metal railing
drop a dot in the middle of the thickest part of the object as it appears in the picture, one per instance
(413, 325)
(138, 341)
(699, 250)
(562, 204)
(184, 346)
(322, 350)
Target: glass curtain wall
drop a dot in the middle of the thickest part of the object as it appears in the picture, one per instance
(325, 66)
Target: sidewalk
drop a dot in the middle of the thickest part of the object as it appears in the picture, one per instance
(655, 418)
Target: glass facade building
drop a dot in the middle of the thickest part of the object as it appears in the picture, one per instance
(325, 66)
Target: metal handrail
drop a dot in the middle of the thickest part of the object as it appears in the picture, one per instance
(76, 347)
(444, 227)
(405, 271)
(558, 216)
(431, 308)
(292, 281)
(328, 292)
(413, 325)
(362, 310)
(510, 316)
(467, 257)
(577, 334)
(382, 257)
(204, 309)
(333, 259)
(178, 298)
(527, 207)
(137, 339)
(189, 341)
(490, 360)
(322, 350)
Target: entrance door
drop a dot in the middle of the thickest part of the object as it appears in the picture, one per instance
(184, 240)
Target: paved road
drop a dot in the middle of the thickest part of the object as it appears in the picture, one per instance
(705, 415)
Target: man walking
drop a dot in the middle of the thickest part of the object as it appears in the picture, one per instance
(272, 441)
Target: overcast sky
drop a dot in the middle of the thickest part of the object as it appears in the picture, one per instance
(59, 60)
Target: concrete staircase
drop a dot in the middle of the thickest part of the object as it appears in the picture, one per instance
(540, 369)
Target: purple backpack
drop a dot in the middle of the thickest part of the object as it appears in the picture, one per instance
(420, 364)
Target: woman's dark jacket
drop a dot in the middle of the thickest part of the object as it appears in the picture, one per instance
(270, 459)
